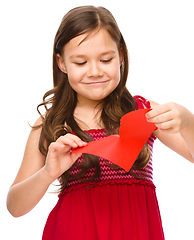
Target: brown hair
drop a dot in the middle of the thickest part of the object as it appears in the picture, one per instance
(62, 99)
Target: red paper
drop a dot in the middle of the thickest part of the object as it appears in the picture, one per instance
(123, 148)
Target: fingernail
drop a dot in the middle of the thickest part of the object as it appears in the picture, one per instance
(82, 143)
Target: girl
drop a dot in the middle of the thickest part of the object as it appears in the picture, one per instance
(97, 200)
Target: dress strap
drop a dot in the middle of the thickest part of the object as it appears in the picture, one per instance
(141, 102)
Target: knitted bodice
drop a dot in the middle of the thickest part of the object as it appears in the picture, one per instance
(108, 174)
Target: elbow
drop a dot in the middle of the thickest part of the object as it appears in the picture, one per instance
(15, 215)
(14, 211)
(191, 159)
(12, 208)
(189, 156)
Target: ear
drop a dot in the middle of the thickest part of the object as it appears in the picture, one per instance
(61, 63)
(121, 56)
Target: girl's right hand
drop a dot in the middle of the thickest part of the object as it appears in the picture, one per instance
(59, 158)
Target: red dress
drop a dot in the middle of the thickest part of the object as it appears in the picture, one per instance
(118, 207)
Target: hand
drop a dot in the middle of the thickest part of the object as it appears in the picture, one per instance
(59, 159)
(170, 117)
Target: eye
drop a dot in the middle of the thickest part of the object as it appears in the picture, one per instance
(80, 63)
(107, 60)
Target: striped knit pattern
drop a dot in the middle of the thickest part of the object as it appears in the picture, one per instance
(108, 174)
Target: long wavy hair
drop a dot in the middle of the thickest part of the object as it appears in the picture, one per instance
(60, 102)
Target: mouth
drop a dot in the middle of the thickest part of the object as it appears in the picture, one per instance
(96, 83)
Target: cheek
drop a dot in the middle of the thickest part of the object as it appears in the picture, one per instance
(114, 73)
(74, 75)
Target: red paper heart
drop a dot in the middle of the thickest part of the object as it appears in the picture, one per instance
(123, 148)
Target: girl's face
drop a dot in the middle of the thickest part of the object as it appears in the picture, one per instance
(92, 65)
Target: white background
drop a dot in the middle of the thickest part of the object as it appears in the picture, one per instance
(159, 36)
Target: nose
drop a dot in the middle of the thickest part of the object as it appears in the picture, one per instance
(94, 70)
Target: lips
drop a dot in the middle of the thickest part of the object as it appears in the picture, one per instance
(96, 82)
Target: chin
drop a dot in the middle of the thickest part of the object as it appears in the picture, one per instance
(97, 98)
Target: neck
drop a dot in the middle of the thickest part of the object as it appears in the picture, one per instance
(88, 114)
(88, 104)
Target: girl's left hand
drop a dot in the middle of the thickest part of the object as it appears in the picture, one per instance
(170, 117)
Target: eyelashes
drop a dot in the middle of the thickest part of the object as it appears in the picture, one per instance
(107, 61)
(102, 61)
(80, 63)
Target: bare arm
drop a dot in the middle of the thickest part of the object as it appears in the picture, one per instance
(37, 172)
(175, 127)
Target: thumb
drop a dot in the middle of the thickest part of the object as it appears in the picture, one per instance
(75, 156)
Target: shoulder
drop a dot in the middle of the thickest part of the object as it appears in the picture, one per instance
(34, 136)
(33, 159)
(153, 103)
(35, 132)
(38, 123)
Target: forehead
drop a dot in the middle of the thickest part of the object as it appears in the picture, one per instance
(97, 42)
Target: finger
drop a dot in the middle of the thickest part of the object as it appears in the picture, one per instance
(157, 110)
(165, 125)
(162, 118)
(56, 147)
(169, 127)
(76, 156)
(71, 140)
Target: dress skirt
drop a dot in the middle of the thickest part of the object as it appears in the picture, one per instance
(111, 210)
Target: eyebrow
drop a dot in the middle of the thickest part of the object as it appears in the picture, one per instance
(83, 56)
